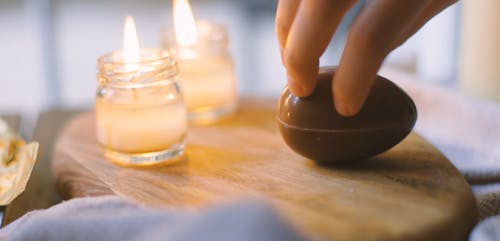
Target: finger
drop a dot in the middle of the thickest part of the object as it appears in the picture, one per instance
(429, 11)
(285, 14)
(311, 31)
(371, 37)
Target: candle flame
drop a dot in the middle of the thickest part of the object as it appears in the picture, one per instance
(184, 24)
(131, 53)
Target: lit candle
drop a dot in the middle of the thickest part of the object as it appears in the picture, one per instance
(141, 118)
(206, 67)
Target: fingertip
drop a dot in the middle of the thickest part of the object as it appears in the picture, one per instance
(295, 87)
(301, 73)
(346, 108)
(347, 99)
(301, 87)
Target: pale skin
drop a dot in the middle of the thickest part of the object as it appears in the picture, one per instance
(305, 27)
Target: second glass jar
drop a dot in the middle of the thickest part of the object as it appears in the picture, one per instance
(207, 73)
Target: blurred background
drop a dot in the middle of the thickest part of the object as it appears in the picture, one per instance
(48, 48)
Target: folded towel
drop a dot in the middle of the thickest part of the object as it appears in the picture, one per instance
(465, 129)
(110, 218)
(488, 230)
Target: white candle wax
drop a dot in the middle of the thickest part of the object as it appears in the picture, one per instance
(139, 127)
(208, 82)
(206, 68)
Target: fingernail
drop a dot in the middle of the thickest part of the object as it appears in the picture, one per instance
(295, 87)
(344, 108)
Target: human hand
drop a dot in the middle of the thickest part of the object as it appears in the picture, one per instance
(305, 27)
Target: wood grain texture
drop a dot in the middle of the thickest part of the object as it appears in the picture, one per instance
(40, 190)
(411, 192)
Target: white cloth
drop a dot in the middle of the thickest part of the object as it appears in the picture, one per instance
(111, 218)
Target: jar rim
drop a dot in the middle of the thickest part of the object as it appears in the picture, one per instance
(155, 65)
(161, 55)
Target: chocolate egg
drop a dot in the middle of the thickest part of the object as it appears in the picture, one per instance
(312, 127)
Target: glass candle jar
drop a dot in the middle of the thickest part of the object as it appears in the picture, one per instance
(140, 114)
(207, 73)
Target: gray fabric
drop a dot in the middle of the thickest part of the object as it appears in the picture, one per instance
(477, 167)
(109, 218)
(488, 199)
(487, 230)
(467, 131)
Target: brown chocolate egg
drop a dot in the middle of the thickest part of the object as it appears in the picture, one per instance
(312, 127)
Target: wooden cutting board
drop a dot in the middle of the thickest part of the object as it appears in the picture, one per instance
(411, 192)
